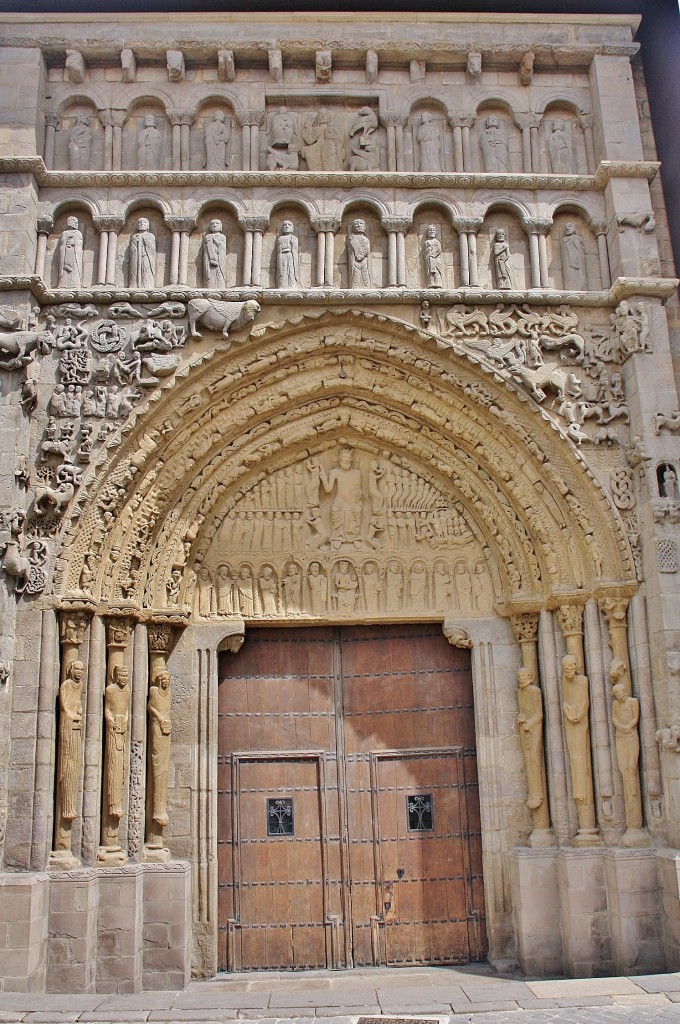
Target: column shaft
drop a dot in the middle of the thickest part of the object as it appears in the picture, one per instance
(401, 259)
(535, 159)
(108, 147)
(472, 251)
(183, 257)
(543, 261)
(464, 258)
(601, 751)
(330, 257)
(103, 253)
(603, 254)
(93, 741)
(526, 150)
(184, 146)
(176, 147)
(245, 148)
(254, 147)
(535, 260)
(174, 258)
(320, 258)
(256, 271)
(391, 148)
(590, 149)
(50, 139)
(41, 250)
(117, 158)
(111, 258)
(467, 155)
(400, 147)
(248, 256)
(458, 164)
(391, 259)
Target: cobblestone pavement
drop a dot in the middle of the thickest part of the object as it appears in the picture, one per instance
(469, 995)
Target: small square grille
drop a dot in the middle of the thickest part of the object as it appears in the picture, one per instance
(420, 812)
(280, 818)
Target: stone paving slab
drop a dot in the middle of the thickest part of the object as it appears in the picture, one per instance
(658, 982)
(590, 986)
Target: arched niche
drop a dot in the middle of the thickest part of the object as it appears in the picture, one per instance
(56, 275)
(564, 149)
(80, 128)
(565, 251)
(306, 237)
(498, 139)
(196, 276)
(202, 155)
(147, 113)
(430, 139)
(417, 275)
(377, 237)
(163, 243)
(506, 219)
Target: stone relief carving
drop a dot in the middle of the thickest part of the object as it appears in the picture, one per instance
(215, 256)
(323, 141)
(287, 263)
(559, 149)
(142, 257)
(79, 146)
(71, 255)
(150, 146)
(364, 149)
(359, 256)
(282, 151)
(160, 731)
(220, 316)
(23, 560)
(216, 139)
(429, 138)
(573, 259)
(502, 261)
(434, 264)
(494, 145)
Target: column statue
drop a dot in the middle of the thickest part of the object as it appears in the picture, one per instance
(530, 722)
(287, 257)
(215, 256)
(160, 731)
(71, 255)
(216, 134)
(432, 248)
(80, 144)
(625, 718)
(142, 270)
(575, 707)
(116, 718)
(359, 256)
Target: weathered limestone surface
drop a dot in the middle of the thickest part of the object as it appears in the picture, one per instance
(354, 337)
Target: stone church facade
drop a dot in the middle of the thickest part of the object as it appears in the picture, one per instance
(339, 497)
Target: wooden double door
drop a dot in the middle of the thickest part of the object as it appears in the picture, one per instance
(348, 803)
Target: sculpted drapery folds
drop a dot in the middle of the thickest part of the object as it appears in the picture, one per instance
(359, 256)
(70, 738)
(215, 256)
(116, 717)
(160, 731)
(71, 255)
(142, 256)
(530, 722)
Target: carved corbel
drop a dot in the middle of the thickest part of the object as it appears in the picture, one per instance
(526, 68)
(175, 64)
(473, 67)
(372, 66)
(128, 64)
(235, 634)
(275, 58)
(117, 697)
(324, 66)
(456, 635)
(226, 69)
(417, 70)
(72, 626)
(75, 66)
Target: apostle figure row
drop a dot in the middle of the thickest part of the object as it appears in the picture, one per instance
(142, 257)
(322, 142)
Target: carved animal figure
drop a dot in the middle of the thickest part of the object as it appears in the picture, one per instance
(553, 377)
(571, 341)
(16, 347)
(16, 565)
(220, 316)
(57, 498)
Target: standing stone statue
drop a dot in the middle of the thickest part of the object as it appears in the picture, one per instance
(160, 731)
(359, 255)
(150, 147)
(116, 716)
(434, 266)
(282, 151)
(494, 145)
(287, 257)
(625, 718)
(71, 255)
(215, 256)
(142, 257)
(575, 706)
(70, 744)
(573, 259)
(323, 143)
(500, 251)
(80, 144)
(559, 150)
(347, 504)
(216, 134)
(530, 722)
(429, 140)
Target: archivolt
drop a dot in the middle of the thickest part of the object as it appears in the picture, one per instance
(155, 498)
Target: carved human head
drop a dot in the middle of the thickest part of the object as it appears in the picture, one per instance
(204, 573)
(619, 691)
(72, 222)
(492, 121)
(500, 234)
(143, 224)
(215, 225)
(359, 226)
(75, 671)
(524, 676)
(218, 115)
(162, 680)
(120, 675)
(569, 228)
(569, 665)
(292, 569)
(343, 565)
(223, 572)
(83, 119)
(431, 230)
(149, 121)
(287, 228)
(558, 125)
(267, 572)
(345, 458)
(314, 569)
(426, 117)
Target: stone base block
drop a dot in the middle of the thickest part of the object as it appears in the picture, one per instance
(23, 931)
(167, 926)
(119, 929)
(668, 863)
(536, 903)
(634, 898)
(72, 931)
(584, 912)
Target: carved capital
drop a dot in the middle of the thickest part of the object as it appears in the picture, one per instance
(118, 630)
(72, 626)
(614, 611)
(177, 116)
(599, 227)
(470, 225)
(109, 223)
(586, 121)
(570, 618)
(458, 121)
(537, 225)
(52, 119)
(251, 117)
(525, 627)
(45, 225)
(181, 223)
(456, 635)
(161, 636)
(393, 119)
(529, 120)
(396, 223)
(254, 223)
(325, 223)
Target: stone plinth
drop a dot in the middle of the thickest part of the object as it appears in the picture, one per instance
(167, 925)
(119, 929)
(668, 862)
(72, 931)
(585, 918)
(536, 903)
(23, 931)
(634, 900)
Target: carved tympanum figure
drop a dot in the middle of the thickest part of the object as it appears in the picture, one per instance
(292, 589)
(494, 143)
(359, 256)
(70, 260)
(116, 716)
(530, 723)
(559, 150)
(429, 138)
(434, 265)
(573, 259)
(224, 586)
(625, 718)
(318, 589)
(142, 257)
(215, 256)
(268, 590)
(287, 257)
(160, 731)
(502, 263)
(347, 505)
(216, 135)
(150, 146)
(80, 144)
(345, 585)
(282, 152)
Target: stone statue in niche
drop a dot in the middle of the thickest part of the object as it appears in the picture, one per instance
(669, 483)
(434, 264)
(502, 261)
(530, 722)
(625, 718)
(287, 257)
(70, 259)
(429, 138)
(372, 587)
(80, 144)
(204, 592)
(116, 715)
(160, 732)
(559, 150)
(365, 152)
(215, 256)
(575, 705)
(322, 139)
(150, 146)
(494, 144)
(417, 587)
(345, 586)
(142, 256)
(394, 586)
(291, 584)
(359, 256)
(347, 504)
(70, 740)
(244, 591)
(216, 135)
(442, 586)
(282, 151)
(573, 259)
(318, 589)
(224, 586)
(268, 590)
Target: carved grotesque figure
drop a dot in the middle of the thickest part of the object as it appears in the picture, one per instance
(287, 257)
(359, 256)
(494, 143)
(573, 259)
(80, 144)
(142, 256)
(216, 135)
(71, 255)
(215, 256)
(434, 266)
(150, 147)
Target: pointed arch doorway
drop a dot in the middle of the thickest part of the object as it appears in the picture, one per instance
(348, 803)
